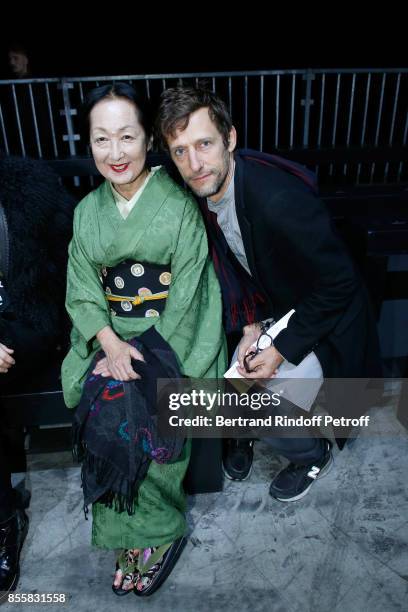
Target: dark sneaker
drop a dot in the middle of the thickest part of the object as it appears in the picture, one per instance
(237, 458)
(294, 481)
(12, 534)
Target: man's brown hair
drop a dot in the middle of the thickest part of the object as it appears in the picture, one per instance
(178, 103)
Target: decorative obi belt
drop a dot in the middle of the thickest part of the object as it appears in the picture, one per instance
(136, 289)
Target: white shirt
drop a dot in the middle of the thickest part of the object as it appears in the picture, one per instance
(228, 222)
(125, 206)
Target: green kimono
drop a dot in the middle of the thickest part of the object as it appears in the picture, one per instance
(164, 227)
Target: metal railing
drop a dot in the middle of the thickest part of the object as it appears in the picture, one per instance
(350, 126)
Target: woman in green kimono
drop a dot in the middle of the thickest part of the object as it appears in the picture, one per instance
(138, 225)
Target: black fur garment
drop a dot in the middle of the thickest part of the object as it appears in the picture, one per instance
(39, 215)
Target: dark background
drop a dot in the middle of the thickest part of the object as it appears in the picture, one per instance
(123, 41)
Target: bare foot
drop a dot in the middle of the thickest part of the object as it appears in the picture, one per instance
(124, 579)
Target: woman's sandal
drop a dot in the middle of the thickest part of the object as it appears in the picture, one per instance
(127, 564)
(155, 565)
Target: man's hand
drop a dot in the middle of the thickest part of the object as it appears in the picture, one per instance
(6, 360)
(263, 365)
(117, 362)
(251, 335)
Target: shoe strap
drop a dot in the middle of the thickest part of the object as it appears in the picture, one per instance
(153, 558)
(124, 564)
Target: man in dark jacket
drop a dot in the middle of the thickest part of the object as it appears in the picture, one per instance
(35, 228)
(274, 250)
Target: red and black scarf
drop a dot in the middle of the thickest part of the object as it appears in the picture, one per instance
(243, 301)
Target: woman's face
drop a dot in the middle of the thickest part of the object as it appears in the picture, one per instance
(118, 142)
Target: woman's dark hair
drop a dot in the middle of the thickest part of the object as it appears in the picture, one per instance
(178, 103)
(116, 90)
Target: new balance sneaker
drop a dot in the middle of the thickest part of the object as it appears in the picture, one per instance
(237, 458)
(294, 481)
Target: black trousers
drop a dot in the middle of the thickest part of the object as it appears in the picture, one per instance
(7, 502)
(11, 445)
(300, 445)
(301, 451)
(32, 353)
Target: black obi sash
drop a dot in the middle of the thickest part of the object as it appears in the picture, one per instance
(136, 288)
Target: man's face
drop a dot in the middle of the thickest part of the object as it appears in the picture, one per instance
(201, 156)
(18, 63)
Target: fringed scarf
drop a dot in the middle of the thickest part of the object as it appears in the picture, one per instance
(243, 302)
(115, 428)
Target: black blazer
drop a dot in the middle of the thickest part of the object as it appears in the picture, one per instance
(299, 262)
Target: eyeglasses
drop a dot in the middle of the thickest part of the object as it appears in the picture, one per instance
(264, 341)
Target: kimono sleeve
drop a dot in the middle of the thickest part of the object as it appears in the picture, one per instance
(85, 300)
(192, 320)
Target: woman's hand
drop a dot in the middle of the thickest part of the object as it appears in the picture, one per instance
(6, 360)
(102, 368)
(117, 362)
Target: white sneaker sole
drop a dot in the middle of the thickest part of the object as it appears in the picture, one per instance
(236, 479)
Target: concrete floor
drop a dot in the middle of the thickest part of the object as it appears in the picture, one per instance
(342, 547)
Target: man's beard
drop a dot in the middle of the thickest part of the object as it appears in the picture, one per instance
(206, 191)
